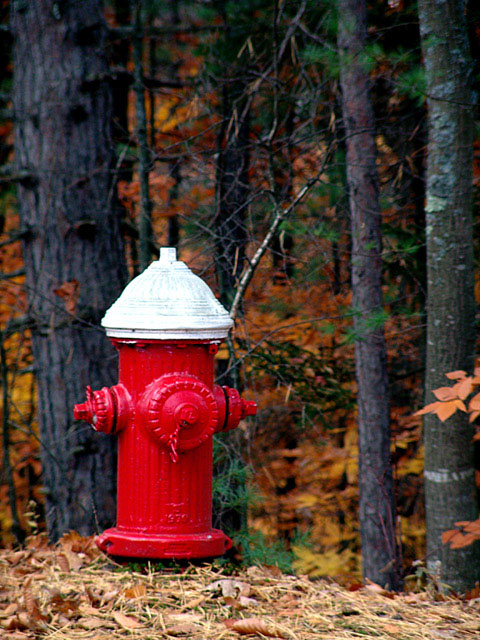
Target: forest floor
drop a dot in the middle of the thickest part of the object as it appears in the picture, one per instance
(71, 591)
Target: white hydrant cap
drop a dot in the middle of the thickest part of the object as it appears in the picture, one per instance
(167, 302)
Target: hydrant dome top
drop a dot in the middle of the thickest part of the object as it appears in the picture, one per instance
(167, 302)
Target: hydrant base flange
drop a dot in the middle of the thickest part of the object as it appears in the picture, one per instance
(127, 544)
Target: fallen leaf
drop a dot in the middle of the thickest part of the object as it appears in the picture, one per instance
(193, 603)
(59, 604)
(230, 587)
(247, 602)
(108, 596)
(184, 629)
(373, 587)
(127, 622)
(75, 560)
(63, 563)
(14, 622)
(10, 610)
(93, 597)
(137, 591)
(91, 623)
(230, 601)
(31, 603)
(391, 628)
(255, 626)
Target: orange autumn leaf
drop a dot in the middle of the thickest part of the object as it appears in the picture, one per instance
(463, 388)
(474, 404)
(137, 591)
(445, 393)
(464, 540)
(471, 526)
(446, 409)
(448, 536)
(456, 375)
(429, 408)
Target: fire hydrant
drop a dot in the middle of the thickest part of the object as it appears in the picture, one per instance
(167, 326)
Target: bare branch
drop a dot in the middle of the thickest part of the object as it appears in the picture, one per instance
(280, 216)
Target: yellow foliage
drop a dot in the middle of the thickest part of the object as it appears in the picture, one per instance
(330, 563)
(413, 465)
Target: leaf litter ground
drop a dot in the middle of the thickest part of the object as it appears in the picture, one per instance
(71, 591)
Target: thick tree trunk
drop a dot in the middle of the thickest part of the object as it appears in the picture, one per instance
(232, 193)
(377, 512)
(450, 492)
(72, 244)
(145, 228)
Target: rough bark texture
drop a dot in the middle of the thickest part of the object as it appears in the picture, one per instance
(377, 512)
(145, 229)
(232, 193)
(71, 234)
(450, 492)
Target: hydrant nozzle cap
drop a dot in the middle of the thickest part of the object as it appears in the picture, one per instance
(167, 302)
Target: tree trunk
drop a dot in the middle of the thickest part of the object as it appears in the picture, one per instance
(377, 511)
(450, 493)
(232, 192)
(145, 228)
(73, 251)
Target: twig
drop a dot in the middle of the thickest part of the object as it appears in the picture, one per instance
(9, 173)
(280, 216)
(12, 274)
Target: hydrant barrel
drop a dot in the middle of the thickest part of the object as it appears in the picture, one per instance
(165, 409)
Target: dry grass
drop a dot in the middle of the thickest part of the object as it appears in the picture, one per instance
(72, 591)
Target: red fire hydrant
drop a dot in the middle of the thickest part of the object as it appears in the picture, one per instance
(167, 326)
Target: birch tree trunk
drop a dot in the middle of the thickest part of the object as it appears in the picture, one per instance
(72, 245)
(377, 509)
(450, 492)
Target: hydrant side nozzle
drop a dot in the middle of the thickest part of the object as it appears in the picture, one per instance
(106, 410)
(85, 410)
(82, 412)
(232, 408)
(249, 408)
